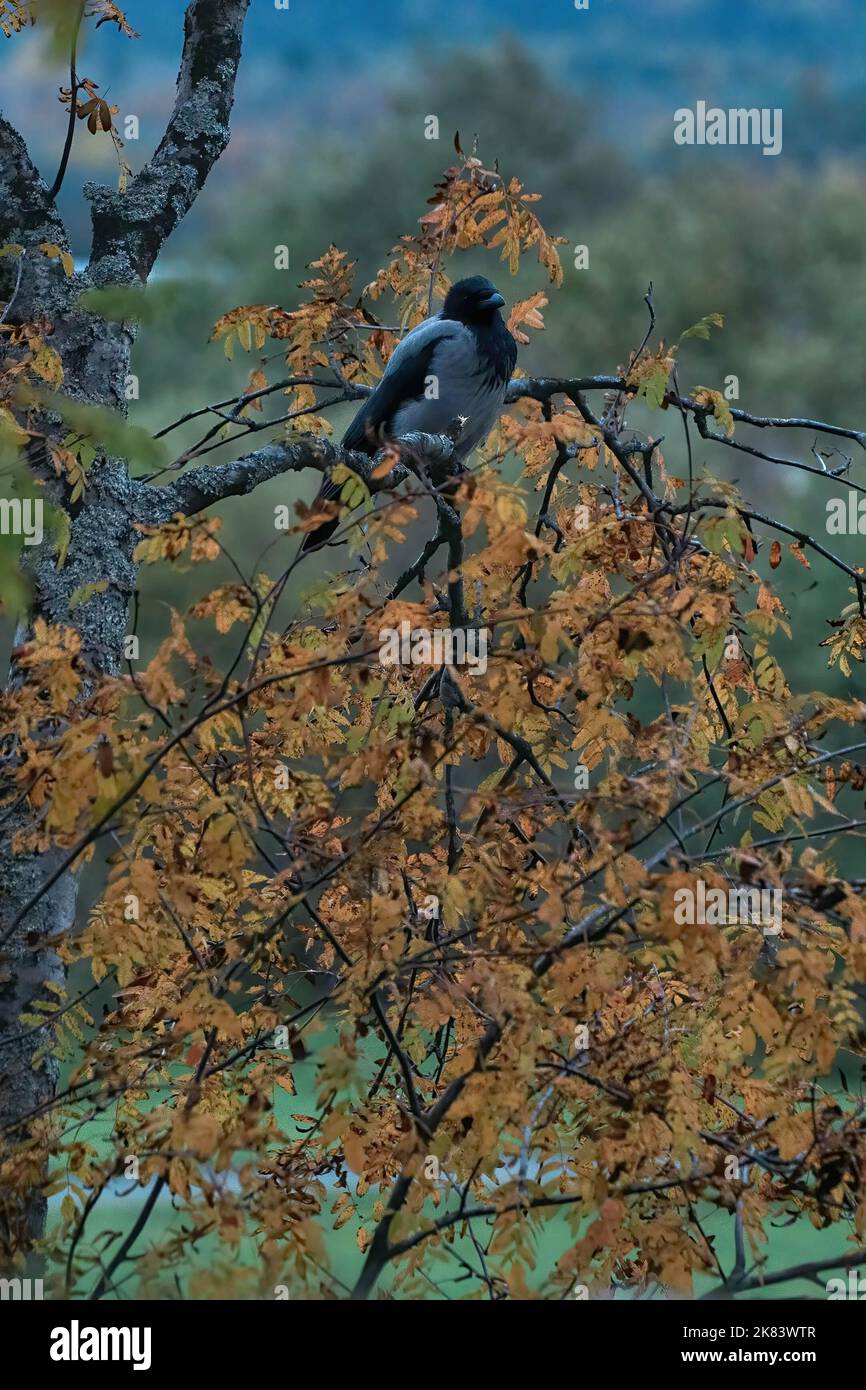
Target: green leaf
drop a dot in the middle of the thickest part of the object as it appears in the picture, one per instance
(701, 329)
(63, 531)
(86, 591)
(354, 491)
(107, 432)
(720, 533)
(654, 385)
(83, 450)
(711, 645)
(18, 485)
(125, 303)
(714, 400)
(259, 627)
(61, 18)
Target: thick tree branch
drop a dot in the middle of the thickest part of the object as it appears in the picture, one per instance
(201, 487)
(24, 197)
(542, 388)
(129, 228)
(28, 218)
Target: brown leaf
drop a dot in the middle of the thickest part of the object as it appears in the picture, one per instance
(105, 759)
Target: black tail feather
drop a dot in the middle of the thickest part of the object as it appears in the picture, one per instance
(328, 492)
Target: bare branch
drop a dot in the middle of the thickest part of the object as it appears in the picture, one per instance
(247, 397)
(543, 388)
(73, 104)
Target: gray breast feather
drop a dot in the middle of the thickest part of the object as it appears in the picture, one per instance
(415, 342)
(460, 384)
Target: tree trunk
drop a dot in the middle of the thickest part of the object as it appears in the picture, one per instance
(129, 231)
(95, 357)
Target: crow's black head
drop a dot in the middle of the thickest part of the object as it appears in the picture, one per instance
(474, 300)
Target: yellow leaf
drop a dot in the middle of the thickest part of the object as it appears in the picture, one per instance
(46, 364)
(345, 1215)
(53, 252)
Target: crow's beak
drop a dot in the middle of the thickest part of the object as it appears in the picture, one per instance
(492, 301)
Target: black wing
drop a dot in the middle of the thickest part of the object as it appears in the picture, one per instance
(404, 380)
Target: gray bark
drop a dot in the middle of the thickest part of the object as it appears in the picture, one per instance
(128, 232)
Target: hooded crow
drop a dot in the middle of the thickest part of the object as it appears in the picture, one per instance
(456, 364)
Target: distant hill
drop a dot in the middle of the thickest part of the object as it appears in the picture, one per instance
(319, 62)
(326, 68)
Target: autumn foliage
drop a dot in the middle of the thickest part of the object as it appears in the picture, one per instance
(368, 953)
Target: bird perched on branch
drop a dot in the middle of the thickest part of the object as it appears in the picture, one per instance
(455, 365)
